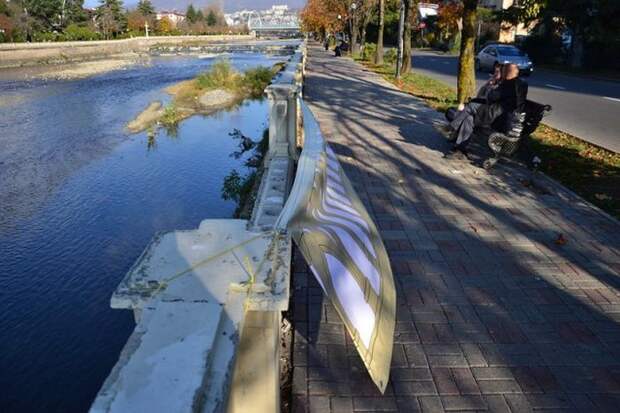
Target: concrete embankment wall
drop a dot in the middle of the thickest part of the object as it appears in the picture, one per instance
(32, 54)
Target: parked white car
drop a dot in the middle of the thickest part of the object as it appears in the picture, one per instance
(501, 53)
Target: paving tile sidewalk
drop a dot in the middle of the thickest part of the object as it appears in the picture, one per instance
(492, 314)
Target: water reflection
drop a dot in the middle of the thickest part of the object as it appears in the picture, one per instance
(242, 188)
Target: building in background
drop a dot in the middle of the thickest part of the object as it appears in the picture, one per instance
(427, 9)
(507, 33)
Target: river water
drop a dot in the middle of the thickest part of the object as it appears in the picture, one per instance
(79, 201)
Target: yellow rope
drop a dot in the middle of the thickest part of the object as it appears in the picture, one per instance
(166, 281)
(248, 265)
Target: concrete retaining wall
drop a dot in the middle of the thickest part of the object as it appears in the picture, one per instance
(32, 54)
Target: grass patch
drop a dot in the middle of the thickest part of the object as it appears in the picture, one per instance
(590, 171)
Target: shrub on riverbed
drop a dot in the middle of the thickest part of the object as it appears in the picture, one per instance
(219, 88)
(170, 116)
(255, 80)
(221, 75)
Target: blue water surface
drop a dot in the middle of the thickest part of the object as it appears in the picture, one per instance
(79, 201)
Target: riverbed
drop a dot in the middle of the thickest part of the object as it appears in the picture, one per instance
(79, 201)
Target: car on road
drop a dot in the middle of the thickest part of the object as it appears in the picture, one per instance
(503, 53)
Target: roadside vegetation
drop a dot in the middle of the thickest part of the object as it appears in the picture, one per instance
(69, 20)
(588, 170)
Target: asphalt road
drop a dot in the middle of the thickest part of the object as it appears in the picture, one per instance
(584, 107)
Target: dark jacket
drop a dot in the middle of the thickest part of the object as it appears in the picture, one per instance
(503, 102)
(510, 94)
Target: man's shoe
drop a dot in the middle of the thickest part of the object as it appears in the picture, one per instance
(454, 135)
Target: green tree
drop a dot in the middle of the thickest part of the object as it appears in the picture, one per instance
(589, 21)
(145, 7)
(466, 84)
(211, 18)
(52, 15)
(199, 16)
(190, 14)
(46, 13)
(110, 18)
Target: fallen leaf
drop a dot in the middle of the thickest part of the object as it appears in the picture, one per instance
(560, 240)
(602, 197)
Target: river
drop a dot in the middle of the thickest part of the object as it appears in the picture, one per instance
(79, 201)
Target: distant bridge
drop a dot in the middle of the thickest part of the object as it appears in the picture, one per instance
(289, 24)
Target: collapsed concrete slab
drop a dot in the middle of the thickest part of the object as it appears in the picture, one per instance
(195, 265)
(189, 290)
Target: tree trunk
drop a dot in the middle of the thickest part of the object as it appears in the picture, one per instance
(363, 37)
(401, 29)
(354, 32)
(379, 51)
(409, 13)
(466, 84)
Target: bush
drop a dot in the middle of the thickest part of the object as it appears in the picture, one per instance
(391, 56)
(170, 116)
(369, 51)
(221, 75)
(45, 37)
(75, 32)
(256, 80)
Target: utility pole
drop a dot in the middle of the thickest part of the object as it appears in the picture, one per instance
(401, 30)
(146, 29)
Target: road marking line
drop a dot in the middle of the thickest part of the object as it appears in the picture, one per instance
(612, 99)
(555, 86)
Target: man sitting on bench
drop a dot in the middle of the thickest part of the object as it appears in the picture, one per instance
(503, 100)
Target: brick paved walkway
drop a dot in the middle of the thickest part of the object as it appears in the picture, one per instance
(492, 315)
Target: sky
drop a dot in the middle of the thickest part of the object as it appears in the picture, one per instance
(229, 5)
